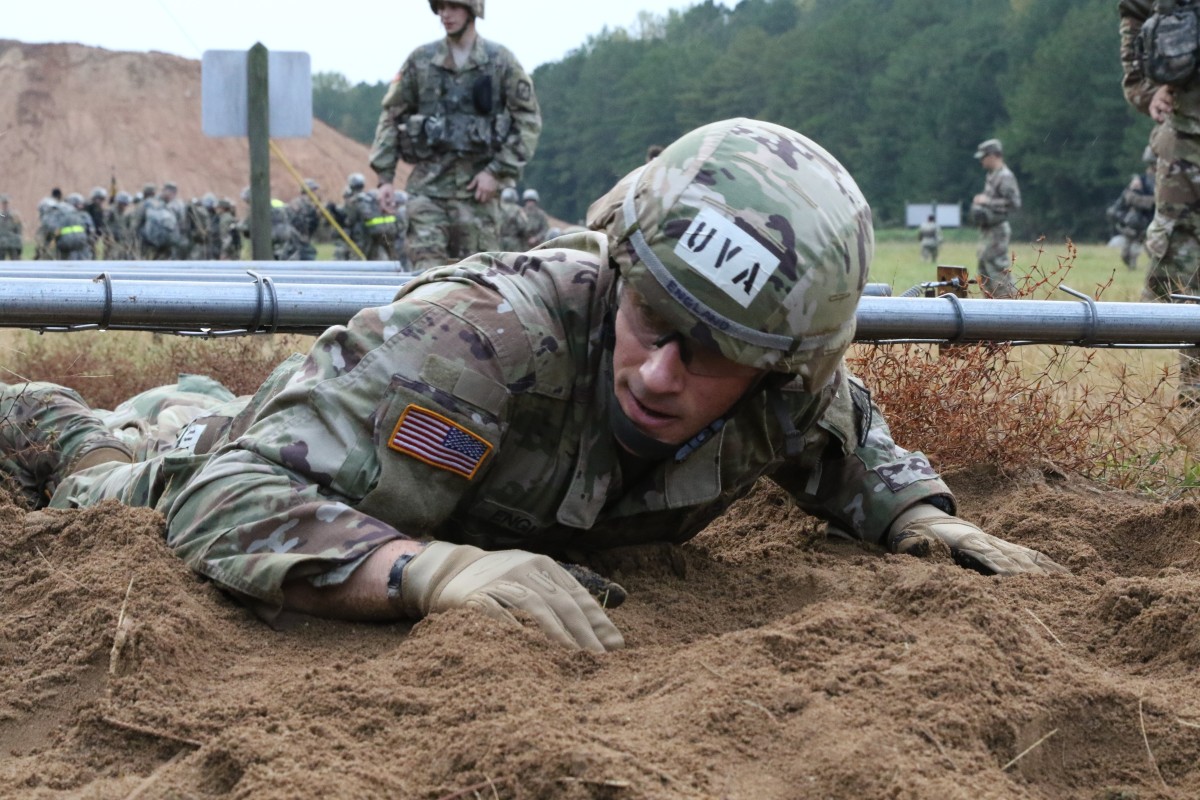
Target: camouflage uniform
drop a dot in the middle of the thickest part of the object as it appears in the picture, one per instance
(373, 229)
(536, 226)
(1136, 212)
(1172, 240)
(930, 237)
(509, 359)
(10, 234)
(118, 236)
(994, 259)
(305, 218)
(512, 217)
(444, 121)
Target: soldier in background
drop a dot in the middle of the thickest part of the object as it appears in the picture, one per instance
(1173, 237)
(11, 231)
(118, 237)
(401, 241)
(462, 111)
(228, 232)
(198, 227)
(305, 218)
(95, 209)
(155, 226)
(341, 250)
(990, 210)
(536, 222)
(62, 231)
(372, 228)
(929, 235)
(512, 222)
(1132, 212)
(284, 240)
(82, 217)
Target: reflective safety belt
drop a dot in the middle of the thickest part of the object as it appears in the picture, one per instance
(371, 223)
(70, 229)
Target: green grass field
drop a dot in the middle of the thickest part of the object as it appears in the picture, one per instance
(1093, 266)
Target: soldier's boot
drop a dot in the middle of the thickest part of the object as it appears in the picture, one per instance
(48, 432)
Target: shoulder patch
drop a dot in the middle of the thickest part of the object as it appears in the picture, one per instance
(439, 442)
(524, 91)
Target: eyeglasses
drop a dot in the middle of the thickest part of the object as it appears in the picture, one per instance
(652, 332)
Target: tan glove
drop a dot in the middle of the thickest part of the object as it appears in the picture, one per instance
(445, 576)
(923, 530)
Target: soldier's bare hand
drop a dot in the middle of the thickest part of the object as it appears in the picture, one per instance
(387, 197)
(1162, 103)
(485, 186)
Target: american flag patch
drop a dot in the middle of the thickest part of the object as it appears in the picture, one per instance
(439, 442)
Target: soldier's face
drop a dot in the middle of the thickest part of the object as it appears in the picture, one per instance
(455, 18)
(663, 396)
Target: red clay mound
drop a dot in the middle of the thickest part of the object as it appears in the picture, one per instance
(73, 116)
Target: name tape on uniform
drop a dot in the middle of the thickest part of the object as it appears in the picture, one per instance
(726, 255)
(439, 442)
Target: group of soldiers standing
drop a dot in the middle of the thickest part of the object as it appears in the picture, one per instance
(158, 225)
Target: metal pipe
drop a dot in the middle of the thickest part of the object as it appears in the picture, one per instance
(226, 276)
(265, 305)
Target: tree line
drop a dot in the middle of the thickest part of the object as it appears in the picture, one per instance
(900, 91)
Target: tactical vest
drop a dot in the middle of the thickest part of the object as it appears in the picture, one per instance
(460, 113)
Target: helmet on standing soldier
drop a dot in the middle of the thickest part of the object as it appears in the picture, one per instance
(474, 6)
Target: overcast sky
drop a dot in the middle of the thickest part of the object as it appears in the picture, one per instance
(365, 40)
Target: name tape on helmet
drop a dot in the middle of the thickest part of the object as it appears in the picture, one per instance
(726, 255)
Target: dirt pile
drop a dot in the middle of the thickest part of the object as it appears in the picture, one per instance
(73, 116)
(763, 661)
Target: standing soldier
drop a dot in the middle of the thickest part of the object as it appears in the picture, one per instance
(537, 225)
(1172, 240)
(929, 234)
(118, 237)
(155, 226)
(305, 218)
(372, 228)
(1133, 211)
(10, 231)
(341, 249)
(990, 209)
(228, 232)
(462, 111)
(95, 210)
(512, 220)
(80, 216)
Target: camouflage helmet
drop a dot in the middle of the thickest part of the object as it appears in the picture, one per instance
(750, 237)
(75, 199)
(356, 180)
(123, 198)
(508, 195)
(530, 194)
(99, 193)
(474, 6)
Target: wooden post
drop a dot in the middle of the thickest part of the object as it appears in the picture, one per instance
(258, 121)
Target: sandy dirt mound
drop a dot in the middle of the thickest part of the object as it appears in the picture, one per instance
(763, 661)
(74, 116)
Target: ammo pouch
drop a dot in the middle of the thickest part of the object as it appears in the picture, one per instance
(1168, 45)
(413, 141)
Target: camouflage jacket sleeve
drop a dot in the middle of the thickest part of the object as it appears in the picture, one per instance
(321, 478)
(522, 105)
(852, 474)
(1136, 196)
(1137, 87)
(399, 101)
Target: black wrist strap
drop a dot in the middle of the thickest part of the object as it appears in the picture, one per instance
(396, 574)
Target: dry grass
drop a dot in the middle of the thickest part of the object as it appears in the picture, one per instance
(1108, 415)
(109, 367)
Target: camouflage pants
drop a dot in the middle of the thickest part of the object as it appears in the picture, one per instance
(1173, 244)
(53, 446)
(994, 262)
(10, 253)
(1130, 250)
(446, 230)
(929, 252)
